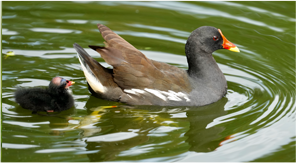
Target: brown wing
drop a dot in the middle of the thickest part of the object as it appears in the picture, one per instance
(132, 69)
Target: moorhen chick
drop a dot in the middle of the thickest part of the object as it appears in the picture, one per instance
(52, 99)
(137, 80)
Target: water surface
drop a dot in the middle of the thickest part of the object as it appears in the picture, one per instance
(254, 122)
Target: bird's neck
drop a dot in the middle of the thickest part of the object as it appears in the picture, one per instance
(203, 70)
(54, 90)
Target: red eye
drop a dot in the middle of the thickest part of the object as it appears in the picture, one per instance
(215, 38)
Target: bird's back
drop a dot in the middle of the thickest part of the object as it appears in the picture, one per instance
(38, 99)
(35, 99)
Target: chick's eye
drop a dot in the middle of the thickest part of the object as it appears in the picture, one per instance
(215, 38)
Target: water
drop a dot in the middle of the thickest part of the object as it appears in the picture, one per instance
(254, 122)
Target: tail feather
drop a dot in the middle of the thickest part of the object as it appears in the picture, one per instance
(94, 47)
(99, 78)
(90, 68)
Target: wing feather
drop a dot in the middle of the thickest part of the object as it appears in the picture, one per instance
(132, 69)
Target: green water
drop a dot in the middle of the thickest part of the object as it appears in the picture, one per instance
(254, 122)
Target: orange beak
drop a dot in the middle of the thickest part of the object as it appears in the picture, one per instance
(227, 44)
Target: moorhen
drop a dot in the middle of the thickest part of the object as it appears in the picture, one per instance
(137, 80)
(52, 99)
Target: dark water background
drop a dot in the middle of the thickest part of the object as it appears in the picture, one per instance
(254, 122)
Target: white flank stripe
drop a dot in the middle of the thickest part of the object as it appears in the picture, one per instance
(169, 95)
(134, 91)
(94, 83)
(172, 95)
(129, 91)
(187, 99)
(139, 91)
(156, 93)
(182, 95)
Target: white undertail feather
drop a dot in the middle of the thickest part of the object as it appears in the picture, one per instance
(94, 83)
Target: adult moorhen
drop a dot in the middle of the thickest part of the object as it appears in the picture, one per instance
(137, 80)
(54, 98)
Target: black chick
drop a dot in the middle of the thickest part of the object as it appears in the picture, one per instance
(52, 99)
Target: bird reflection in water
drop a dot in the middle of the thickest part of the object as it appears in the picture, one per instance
(137, 124)
(110, 131)
(200, 137)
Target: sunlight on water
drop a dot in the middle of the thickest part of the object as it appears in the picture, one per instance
(49, 30)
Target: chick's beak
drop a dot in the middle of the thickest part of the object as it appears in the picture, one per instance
(69, 83)
(227, 44)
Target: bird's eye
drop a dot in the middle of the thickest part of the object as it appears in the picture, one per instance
(215, 38)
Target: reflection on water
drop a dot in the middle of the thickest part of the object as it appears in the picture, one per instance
(200, 137)
(254, 122)
(139, 127)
